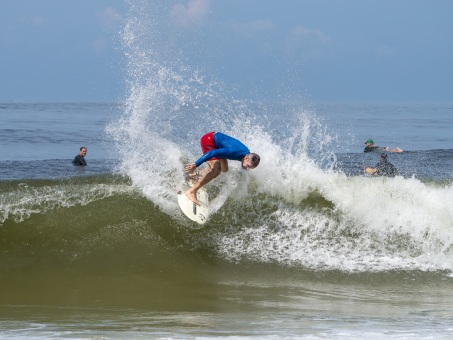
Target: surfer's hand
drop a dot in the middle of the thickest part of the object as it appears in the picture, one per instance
(190, 167)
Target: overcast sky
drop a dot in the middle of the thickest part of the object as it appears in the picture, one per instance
(360, 50)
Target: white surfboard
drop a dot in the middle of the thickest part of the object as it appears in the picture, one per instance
(199, 214)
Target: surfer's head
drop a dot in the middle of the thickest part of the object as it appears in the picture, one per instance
(83, 151)
(250, 161)
(369, 141)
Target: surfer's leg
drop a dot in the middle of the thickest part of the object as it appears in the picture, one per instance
(208, 177)
(193, 176)
(223, 164)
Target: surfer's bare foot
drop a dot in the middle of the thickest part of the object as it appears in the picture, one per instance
(192, 197)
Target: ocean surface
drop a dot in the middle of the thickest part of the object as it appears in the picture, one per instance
(305, 246)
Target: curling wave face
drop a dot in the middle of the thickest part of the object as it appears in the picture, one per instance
(296, 208)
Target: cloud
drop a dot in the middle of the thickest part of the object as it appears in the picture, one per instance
(305, 36)
(13, 30)
(252, 29)
(306, 43)
(109, 18)
(193, 13)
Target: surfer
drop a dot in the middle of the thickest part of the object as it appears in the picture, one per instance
(383, 168)
(79, 160)
(370, 147)
(217, 149)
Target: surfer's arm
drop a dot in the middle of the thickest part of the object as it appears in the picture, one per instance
(370, 171)
(224, 153)
(217, 153)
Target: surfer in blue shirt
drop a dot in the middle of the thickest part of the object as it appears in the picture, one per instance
(217, 149)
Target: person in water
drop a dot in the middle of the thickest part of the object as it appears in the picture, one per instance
(79, 160)
(384, 168)
(217, 149)
(370, 147)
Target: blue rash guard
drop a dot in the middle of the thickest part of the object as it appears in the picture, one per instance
(226, 147)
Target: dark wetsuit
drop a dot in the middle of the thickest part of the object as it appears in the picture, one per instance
(373, 148)
(225, 147)
(79, 161)
(386, 169)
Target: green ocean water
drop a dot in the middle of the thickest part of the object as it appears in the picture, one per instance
(87, 257)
